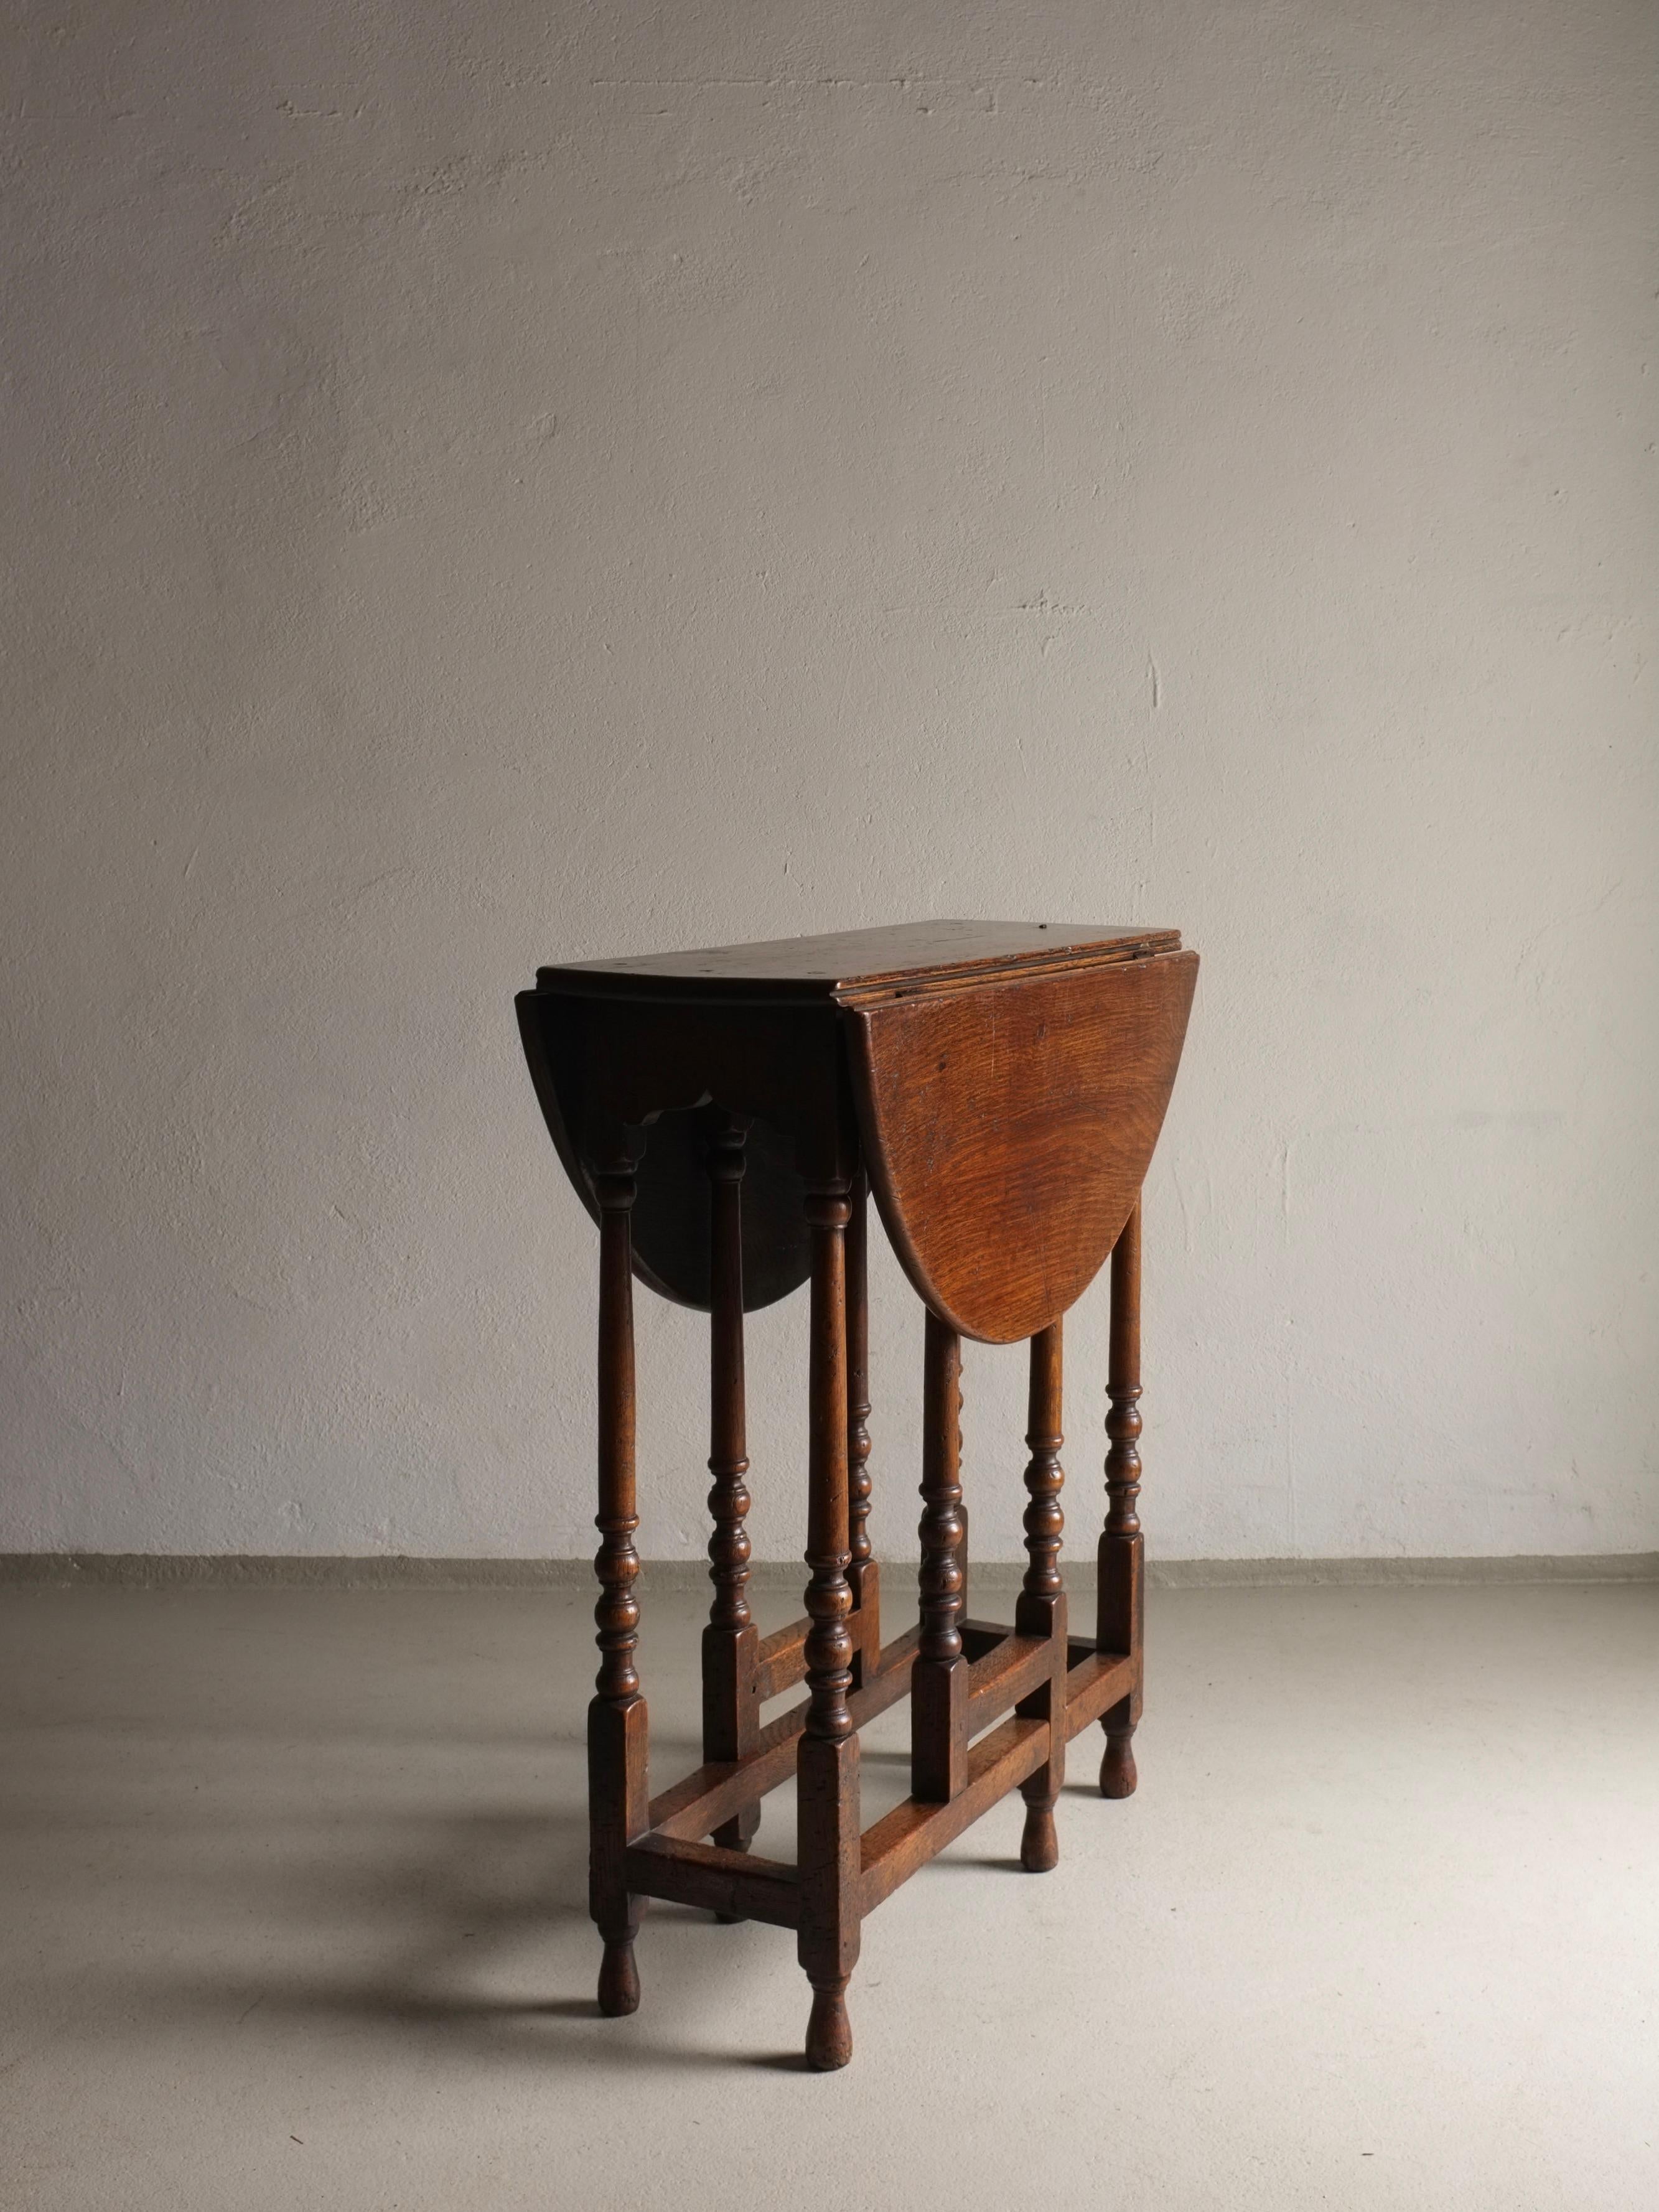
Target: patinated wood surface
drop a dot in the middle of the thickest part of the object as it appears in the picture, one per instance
(1040, 1615)
(902, 955)
(827, 1772)
(1008, 1129)
(725, 1115)
(599, 1069)
(1007, 1083)
(939, 1681)
(731, 1642)
(618, 1789)
(863, 1574)
(1122, 1584)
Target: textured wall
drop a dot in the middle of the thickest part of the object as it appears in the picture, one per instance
(484, 484)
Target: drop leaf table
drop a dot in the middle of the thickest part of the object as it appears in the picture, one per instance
(725, 1115)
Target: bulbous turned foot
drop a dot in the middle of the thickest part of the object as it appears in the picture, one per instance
(1039, 1847)
(829, 2031)
(1117, 1768)
(619, 1981)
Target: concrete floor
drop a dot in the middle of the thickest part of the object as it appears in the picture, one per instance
(292, 1885)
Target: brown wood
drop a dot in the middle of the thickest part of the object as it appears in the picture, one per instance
(737, 1885)
(916, 1830)
(979, 1637)
(730, 1702)
(608, 1064)
(1040, 1612)
(905, 956)
(568, 1041)
(863, 1575)
(997, 1088)
(962, 1557)
(1008, 1130)
(618, 1790)
(781, 1660)
(938, 1684)
(1008, 1098)
(827, 1772)
(1005, 1676)
(709, 1794)
(1094, 1684)
(1122, 1567)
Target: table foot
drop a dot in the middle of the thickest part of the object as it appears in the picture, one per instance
(738, 1832)
(619, 1980)
(829, 2031)
(1039, 1847)
(1117, 1766)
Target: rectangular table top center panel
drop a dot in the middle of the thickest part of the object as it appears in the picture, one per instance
(857, 965)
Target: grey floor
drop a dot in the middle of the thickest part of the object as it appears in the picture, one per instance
(293, 1915)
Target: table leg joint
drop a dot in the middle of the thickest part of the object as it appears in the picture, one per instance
(918, 1830)
(741, 1884)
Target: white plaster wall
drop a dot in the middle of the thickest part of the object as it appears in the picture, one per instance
(499, 482)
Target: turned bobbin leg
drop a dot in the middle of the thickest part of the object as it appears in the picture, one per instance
(618, 1801)
(1040, 1609)
(938, 1680)
(827, 1774)
(863, 1576)
(730, 1711)
(1122, 1570)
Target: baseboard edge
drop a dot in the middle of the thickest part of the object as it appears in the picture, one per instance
(398, 1570)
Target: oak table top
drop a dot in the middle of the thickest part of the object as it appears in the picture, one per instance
(1002, 1083)
(857, 964)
